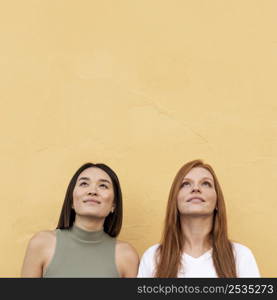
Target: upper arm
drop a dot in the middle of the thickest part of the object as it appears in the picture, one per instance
(127, 259)
(36, 255)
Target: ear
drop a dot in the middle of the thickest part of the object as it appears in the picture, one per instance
(113, 208)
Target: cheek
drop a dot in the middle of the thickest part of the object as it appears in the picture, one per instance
(108, 197)
(77, 194)
(212, 197)
(183, 193)
(180, 197)
(79, 191)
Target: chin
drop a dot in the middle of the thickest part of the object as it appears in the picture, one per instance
(92, 214)
(199, 213)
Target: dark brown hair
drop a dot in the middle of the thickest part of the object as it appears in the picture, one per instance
(113, 221)
(168, 258)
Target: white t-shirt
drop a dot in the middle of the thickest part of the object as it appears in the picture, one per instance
(202, 266)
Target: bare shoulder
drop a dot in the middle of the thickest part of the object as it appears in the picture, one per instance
(125, 249)
(38, 253)
(127, 259)
(42, 239)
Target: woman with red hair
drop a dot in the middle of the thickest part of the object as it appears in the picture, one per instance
(195, 242)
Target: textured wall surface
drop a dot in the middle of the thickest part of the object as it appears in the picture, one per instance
(143, 86)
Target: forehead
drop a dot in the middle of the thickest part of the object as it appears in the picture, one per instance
(198, 173)
(95, 174)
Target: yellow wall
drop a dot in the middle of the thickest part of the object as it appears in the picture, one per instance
(143, 86)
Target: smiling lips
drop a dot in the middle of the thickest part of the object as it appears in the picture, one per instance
(196, 200)
(92, 201)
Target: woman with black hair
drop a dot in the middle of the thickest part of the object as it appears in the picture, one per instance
(84, 243)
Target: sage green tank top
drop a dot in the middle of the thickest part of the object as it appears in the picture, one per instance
(81, 253)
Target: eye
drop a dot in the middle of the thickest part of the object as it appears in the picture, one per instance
(104, 186)
(83, 183)
(185, 184)
(207, 183)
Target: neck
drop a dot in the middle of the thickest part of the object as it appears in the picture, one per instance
(89, 223)
(196, 232)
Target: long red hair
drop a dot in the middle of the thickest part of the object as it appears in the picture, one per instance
(168, 256)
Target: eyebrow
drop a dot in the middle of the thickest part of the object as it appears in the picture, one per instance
(204, 178)
(88, 179)
(207, 178)
(83, 178)
(105, 180)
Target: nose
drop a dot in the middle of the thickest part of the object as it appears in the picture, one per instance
(195, 189)
(92, 190)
